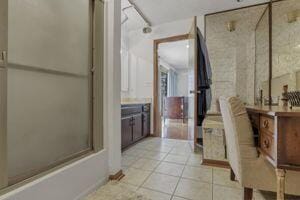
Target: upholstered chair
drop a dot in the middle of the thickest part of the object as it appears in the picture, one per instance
(251, 170)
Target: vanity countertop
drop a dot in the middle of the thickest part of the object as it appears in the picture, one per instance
(134, 103)
(275, 110)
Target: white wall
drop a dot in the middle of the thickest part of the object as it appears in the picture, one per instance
(141, 48)
(78, 179)
(112, 85)
(140, 78)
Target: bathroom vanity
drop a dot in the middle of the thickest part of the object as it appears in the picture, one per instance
(135, 124)
(279, 138)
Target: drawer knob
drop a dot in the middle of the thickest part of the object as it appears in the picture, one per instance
(266, 144)
(266, 124)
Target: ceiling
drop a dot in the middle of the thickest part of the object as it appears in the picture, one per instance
(163, 11)
(175, 54)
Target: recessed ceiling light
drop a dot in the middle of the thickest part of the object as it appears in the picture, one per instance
(187, 46)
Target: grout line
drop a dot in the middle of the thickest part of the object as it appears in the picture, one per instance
(156, 191)
(180, 177)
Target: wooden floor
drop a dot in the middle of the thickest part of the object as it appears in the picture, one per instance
(175, 129)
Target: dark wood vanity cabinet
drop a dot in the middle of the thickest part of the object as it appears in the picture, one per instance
(137, 127)
(146, 124)
(135, 123)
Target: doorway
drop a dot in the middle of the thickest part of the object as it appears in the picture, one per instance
(173, 59)
(187, 103)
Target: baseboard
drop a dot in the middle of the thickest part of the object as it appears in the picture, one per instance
(116, 177)
(92, 189)
(216, 163)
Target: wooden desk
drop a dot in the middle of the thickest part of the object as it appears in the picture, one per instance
(176, 108)
(279, 139)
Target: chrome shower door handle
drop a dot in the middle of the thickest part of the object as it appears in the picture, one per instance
(3, 59)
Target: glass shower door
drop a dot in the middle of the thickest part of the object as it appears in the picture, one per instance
(48, 84)
(3, 82)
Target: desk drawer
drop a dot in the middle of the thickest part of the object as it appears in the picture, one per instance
(267, 144)
(267, 124)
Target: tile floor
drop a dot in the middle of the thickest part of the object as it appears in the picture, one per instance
(175, 129)
(168, 169)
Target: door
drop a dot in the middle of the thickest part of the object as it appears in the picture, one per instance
(3, 85)
(49, 87)
(192, 82)
(137, 127)
(126, 131)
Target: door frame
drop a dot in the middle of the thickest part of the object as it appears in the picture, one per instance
(156, 113)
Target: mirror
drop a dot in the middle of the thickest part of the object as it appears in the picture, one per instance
(285, 47)
(230, 38)
(262, 57)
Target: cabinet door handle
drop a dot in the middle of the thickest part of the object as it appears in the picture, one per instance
(266, 144)
(266, 124)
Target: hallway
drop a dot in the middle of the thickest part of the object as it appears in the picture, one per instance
(166, 169)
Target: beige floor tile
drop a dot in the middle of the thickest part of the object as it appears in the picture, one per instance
(135, 152)
(178, 198)
(154, 194)
(169, 142)
(155, 155)
(195, 160)
(135, 176)
(128, 160)
(194, 190)
(194, 163)
(198, 173)
(222, 177)
(141, 146)
(183, 151)
(145, 164)
(227, 193)
(163, 149)
(176, 159)
(161, 182)
(111, 191)
(170, 169)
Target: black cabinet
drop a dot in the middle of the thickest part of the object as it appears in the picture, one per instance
(137, 127)
(135, 123)
(146, 124)
(126, 131)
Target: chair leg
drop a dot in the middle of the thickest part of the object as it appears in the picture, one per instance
(248, 193)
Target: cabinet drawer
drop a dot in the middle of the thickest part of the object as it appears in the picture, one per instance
(267, 144)
(267, 124)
